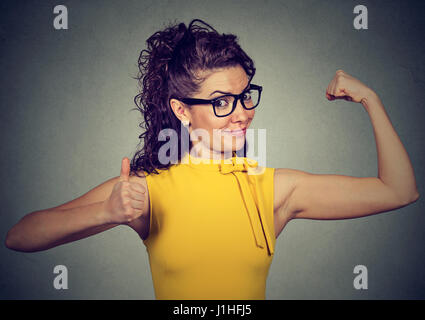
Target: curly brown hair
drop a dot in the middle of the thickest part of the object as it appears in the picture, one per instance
(171, 67)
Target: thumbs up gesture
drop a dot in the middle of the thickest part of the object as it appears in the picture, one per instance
(127, 199)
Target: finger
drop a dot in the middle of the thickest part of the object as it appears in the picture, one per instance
(339, 92)
(328, 96)
(343, 94)
(137, 205)
(333, 87)
(138, 187)
(345, 97)
(125, 169)
(137, 196)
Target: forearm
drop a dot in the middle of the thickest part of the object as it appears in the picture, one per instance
(44, 229)
(394, 166)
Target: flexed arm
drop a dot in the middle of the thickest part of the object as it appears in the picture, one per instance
(327, 196)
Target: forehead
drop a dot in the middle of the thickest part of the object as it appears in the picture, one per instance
(229, 79)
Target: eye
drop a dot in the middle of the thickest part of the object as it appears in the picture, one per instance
(247, 96)
(221, 103)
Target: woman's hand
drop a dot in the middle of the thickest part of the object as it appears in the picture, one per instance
(127, 199)
(344, 86)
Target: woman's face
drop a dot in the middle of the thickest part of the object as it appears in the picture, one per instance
(203, 121)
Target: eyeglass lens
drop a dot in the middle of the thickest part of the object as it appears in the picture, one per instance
(224, 105)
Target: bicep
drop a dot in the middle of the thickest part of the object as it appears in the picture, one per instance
(330, 196)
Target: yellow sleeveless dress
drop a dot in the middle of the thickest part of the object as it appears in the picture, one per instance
(211, 230)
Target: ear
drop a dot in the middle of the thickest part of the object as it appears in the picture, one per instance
(180, 110)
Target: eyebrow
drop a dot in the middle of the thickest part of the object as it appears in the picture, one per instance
(218, 91)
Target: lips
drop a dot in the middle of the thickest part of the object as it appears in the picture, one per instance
(237, 132)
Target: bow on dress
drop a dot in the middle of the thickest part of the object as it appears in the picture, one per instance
(256, 213)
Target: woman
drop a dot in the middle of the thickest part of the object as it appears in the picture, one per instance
(210, 217)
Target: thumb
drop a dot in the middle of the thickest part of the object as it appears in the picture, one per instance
(125, 169)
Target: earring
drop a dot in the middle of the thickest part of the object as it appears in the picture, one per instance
(185, 123)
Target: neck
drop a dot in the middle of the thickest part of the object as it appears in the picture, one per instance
(200, 151)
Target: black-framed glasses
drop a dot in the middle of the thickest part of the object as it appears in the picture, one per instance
(226, 104)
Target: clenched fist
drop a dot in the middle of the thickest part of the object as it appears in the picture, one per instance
(127, 199)
(345, 86)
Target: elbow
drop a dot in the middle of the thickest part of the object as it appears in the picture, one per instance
(17, 240)
(13, 242)
(9, 241)
(413, 198)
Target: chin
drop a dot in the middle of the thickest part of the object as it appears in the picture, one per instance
(236, 146)
(228, 144)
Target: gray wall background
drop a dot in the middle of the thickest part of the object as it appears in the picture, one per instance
(65, 99)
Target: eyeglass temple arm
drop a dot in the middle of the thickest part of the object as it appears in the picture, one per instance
(195, 101)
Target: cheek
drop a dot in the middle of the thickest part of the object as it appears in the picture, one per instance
(210, 122)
